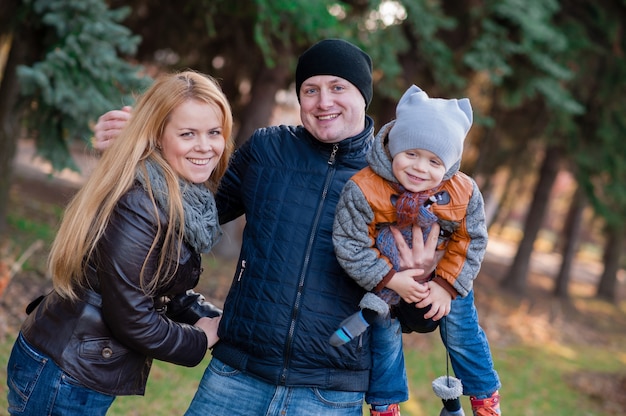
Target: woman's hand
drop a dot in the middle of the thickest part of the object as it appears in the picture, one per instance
(209, 326)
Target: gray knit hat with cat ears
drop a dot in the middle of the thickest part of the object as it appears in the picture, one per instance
(435, 124)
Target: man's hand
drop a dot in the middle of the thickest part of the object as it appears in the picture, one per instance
(423, 255)
(109, 127)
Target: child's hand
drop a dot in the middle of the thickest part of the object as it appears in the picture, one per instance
(439, 300)
(404, 284)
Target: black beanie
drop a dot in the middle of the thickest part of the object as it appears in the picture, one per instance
(340, 58)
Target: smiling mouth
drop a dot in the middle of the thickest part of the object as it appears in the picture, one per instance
(415, 178)
(328, 117)
(200, 162)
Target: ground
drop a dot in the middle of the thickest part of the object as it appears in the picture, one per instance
(508, 318)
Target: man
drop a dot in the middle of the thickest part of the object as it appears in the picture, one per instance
(289, 293)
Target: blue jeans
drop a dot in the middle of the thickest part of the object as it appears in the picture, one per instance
(388, 382)
(38, 387)
(465, 340)
(468, 347)
(225, 390)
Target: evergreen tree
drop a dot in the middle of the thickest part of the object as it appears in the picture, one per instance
(82, 74)
(67, 64)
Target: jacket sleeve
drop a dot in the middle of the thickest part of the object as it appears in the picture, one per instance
(228, 197)
(130, 313)
(466, 249)
(354, 247)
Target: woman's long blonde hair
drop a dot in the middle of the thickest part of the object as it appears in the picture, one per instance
(87, 215)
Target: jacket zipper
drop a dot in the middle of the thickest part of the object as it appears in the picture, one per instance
(307, 258)
(241, 270)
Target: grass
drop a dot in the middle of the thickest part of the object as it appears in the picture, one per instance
(539, 366)
(34, 225)
(533, 379)
(533, 382)
(169, 391)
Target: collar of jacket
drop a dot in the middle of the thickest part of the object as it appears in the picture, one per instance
(358, 144)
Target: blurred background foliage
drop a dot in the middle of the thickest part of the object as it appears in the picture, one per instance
(546, 79)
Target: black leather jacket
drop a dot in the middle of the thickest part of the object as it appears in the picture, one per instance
(108, 339)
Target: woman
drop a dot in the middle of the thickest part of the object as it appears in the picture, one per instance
(131, 237)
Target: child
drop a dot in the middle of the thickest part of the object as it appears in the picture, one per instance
(413, 179)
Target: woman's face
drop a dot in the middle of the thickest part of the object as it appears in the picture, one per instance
(193, 142)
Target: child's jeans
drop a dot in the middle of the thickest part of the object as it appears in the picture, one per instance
(468, 347)
(388, 383)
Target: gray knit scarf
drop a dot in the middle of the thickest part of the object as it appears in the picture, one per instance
(202, 229)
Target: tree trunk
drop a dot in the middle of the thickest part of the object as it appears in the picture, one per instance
(259, 110)
(571, 237)
(499, 215)
(9, 93)
(613, 250)
(518, 272)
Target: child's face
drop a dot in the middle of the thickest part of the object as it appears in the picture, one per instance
(418, 170)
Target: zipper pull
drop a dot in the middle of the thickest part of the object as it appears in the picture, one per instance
(431, 200)
(331, 160)
(243, 267)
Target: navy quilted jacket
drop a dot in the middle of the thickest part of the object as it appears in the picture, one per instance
(289, 293)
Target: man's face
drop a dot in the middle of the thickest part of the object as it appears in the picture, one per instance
(331, 108)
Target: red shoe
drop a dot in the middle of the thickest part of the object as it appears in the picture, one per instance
(392, 410)
(486, 407)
